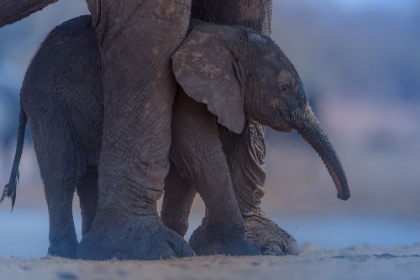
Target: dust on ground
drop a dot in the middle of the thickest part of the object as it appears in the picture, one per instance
(361, 262)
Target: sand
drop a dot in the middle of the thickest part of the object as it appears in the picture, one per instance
(361, 262)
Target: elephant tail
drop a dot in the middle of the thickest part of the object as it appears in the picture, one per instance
(10, 188)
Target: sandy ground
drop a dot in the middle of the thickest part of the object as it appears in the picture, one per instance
(361, 262)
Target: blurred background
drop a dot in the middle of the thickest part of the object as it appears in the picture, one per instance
(360, 64)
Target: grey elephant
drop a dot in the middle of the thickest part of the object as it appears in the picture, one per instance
(65, 83)
(245, 152)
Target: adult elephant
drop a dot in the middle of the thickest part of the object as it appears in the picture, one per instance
(245, 151)
(138, 88)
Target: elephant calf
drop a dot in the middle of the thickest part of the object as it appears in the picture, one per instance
(226, 74)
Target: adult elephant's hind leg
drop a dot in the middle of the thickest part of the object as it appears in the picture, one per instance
(177, 201)
(197, 152)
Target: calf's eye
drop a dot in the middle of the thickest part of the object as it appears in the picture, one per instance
(284, 87)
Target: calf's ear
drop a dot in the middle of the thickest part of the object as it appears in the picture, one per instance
(209, 73)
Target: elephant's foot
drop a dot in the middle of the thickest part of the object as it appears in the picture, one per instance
(207, 241)
(140, 238)
(267, 236)
(65, 248)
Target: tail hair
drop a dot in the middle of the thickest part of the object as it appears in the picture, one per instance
(10, 188)
(10, 191)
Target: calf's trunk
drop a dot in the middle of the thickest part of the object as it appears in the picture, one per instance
(311, 130)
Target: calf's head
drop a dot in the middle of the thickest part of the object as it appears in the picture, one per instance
(238, 73)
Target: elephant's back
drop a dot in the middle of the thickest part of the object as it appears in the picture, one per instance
(67, 64)
(63, 82)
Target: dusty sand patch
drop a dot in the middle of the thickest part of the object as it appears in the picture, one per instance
(362, 262)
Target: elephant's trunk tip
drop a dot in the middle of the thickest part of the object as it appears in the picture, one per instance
(344, 195)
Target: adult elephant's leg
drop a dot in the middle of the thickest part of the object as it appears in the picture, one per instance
(245, 153)
(197, 153)
(177, 201)
(136, 39)
(87, 190)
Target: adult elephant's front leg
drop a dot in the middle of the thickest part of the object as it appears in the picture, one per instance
(197, 153)
(136, 39)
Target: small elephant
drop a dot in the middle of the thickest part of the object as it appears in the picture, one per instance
(240, 74)
(234, 71)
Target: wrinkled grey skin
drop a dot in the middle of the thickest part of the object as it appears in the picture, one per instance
(59, 82)
(245, 152)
